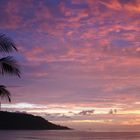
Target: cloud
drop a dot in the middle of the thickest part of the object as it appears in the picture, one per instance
(131, 6)
(87, 112)
(115, 5)
(111, 111)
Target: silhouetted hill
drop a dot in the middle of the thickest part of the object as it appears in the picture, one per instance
(22, 121)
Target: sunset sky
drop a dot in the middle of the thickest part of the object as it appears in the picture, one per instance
(80, 61)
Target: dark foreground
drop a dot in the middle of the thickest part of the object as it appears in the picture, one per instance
(22, 121)
(67, 135)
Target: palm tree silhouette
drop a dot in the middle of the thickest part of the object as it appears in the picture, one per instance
(8, 65)
(4, 93)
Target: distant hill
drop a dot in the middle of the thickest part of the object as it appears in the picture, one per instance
(22, 121)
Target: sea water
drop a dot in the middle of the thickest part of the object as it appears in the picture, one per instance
(67, 135)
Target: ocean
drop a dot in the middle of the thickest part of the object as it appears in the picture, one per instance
(67, 135)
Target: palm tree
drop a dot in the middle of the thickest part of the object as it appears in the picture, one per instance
(8, 65)
(4, 93)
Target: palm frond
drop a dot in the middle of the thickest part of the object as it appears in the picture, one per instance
(6, 44)
(8, 65)
(4, 93)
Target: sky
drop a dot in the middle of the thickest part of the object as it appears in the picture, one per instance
(79, 59)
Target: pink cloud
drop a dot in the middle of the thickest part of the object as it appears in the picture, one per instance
(131, 6)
